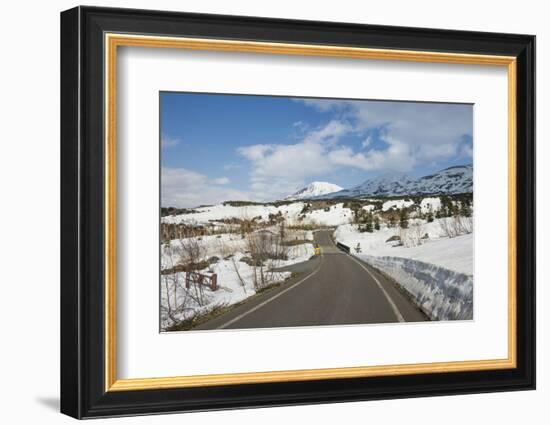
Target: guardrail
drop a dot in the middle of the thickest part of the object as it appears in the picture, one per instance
(343, 247)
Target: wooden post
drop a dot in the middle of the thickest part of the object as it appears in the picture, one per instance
(214, 281)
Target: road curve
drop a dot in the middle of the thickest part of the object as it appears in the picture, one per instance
(336, 289)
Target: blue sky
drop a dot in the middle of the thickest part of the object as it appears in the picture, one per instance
(238, 147)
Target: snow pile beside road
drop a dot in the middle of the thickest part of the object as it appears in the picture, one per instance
(441, 293)
(438, 274)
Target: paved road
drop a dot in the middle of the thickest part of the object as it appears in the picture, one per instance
(333, 289)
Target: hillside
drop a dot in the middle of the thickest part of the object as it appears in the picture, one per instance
(452, 180)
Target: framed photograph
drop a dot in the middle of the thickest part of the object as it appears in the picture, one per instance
(261, 212)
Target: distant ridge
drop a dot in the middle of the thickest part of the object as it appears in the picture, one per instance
(451, 180)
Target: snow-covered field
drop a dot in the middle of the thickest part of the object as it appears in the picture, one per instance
(205, 215)
(335, 216)
(236, 277)
(397, 203)
(455, 254)
(436, 271)
(292, 213)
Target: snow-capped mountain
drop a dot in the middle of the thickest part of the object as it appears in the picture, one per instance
(392, 182)
(452, 180)
(457, 179)
(313, 190)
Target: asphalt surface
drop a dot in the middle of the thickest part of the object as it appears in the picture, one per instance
(332, 289)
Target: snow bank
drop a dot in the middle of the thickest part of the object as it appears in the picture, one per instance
(441, 293)
(438, 274)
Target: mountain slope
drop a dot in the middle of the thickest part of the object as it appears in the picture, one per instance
(458, 179)
(452, 180)
(313, 190)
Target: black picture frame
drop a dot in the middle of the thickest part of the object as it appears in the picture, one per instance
(83, 392)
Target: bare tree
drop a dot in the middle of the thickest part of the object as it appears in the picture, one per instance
(456, 225)
(416, 233)
(177, 297)
(236, 267)
(265, 247)
(192, 251)
(447, 228)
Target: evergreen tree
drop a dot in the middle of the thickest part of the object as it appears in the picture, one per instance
(376, 223)
(404, 218)
(465, 209)
(368, 223)
(429, 215)
(446, 206)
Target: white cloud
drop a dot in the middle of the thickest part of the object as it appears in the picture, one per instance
(221, 180)
(280, 169)
(169, 142)
(231, 166)
(255, 152)
(185, 188)
(432, 131)
(396, 157)
(367, 142)
(412, 134)
(466, 151)
(329, 133)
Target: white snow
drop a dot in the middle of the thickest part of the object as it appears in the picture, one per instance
(452, 253)
(397, 203)
(452, 180)
(439, 292)
(335, 215)
(314, 189)
(292, 213)
(205, 215)
(234, 277)
(430, 204)
(230, 290)
(436, 270)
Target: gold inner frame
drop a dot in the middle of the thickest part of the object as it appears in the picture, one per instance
(113, 41)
